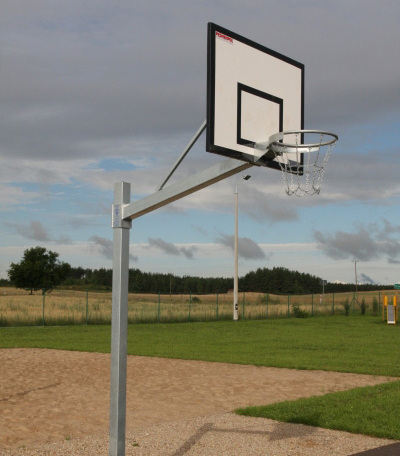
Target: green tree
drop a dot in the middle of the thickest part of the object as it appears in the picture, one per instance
(38, 269)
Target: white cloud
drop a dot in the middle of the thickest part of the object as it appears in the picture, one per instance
(105, 247)
(84, 85)
(11, 195)
(171, 249)
(365, 243)
(34, 230)
(247, 248)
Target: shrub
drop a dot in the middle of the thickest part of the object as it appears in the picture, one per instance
(299, 313)
(363, 306)
(346, 306)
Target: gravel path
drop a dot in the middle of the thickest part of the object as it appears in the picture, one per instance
(218, 435)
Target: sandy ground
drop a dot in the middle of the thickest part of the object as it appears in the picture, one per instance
(50, 397)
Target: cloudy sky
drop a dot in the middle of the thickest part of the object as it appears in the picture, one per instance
(97, 92)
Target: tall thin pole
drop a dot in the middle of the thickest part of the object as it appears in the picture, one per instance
(119, 328)
(355, 273)
(235, 253)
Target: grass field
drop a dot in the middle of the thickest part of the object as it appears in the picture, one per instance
(371, 410)
(345, 344)
(66, 307)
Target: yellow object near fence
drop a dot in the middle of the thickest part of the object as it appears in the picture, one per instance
(389, 311)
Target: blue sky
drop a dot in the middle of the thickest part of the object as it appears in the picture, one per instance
(97, 92)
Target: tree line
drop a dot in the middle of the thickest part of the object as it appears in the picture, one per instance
(41, 269)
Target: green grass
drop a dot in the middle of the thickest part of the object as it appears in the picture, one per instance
(372, 411)
(343, 344)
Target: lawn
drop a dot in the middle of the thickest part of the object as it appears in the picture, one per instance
(343, 344)
(371, 410)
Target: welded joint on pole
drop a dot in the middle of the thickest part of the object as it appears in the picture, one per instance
(117, 220)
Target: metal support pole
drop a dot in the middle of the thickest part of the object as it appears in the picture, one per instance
(119, 330)
(236, 253)
(179, 190)
(236, 271)
(122, 215)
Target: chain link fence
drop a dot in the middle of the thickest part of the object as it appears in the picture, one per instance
(68, 307)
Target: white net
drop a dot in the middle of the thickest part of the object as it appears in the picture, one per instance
(302, 164)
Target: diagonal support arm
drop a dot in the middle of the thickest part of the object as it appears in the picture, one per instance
(190, 185)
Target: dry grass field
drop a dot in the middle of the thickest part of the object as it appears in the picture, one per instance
(60, 307)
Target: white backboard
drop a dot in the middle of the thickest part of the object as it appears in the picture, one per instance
(252, 93)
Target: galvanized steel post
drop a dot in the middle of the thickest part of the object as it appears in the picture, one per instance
(122, 215)
(119, 330)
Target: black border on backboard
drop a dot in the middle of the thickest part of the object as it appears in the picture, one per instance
(210, 146)
(256, 93)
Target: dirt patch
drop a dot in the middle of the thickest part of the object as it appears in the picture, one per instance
(51, 395)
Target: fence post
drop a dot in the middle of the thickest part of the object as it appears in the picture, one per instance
(288, 306)
(333, 303)
(158, 312)
(190, 305)
(44, 295)
(379, 300)
(243, 303)
(87, 306)
(216, 309)
(266, 302)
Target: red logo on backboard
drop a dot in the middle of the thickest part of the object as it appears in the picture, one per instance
(224, 37)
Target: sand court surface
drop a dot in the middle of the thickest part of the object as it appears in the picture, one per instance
(50, 395)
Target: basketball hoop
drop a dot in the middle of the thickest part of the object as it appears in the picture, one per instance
(302, 164)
